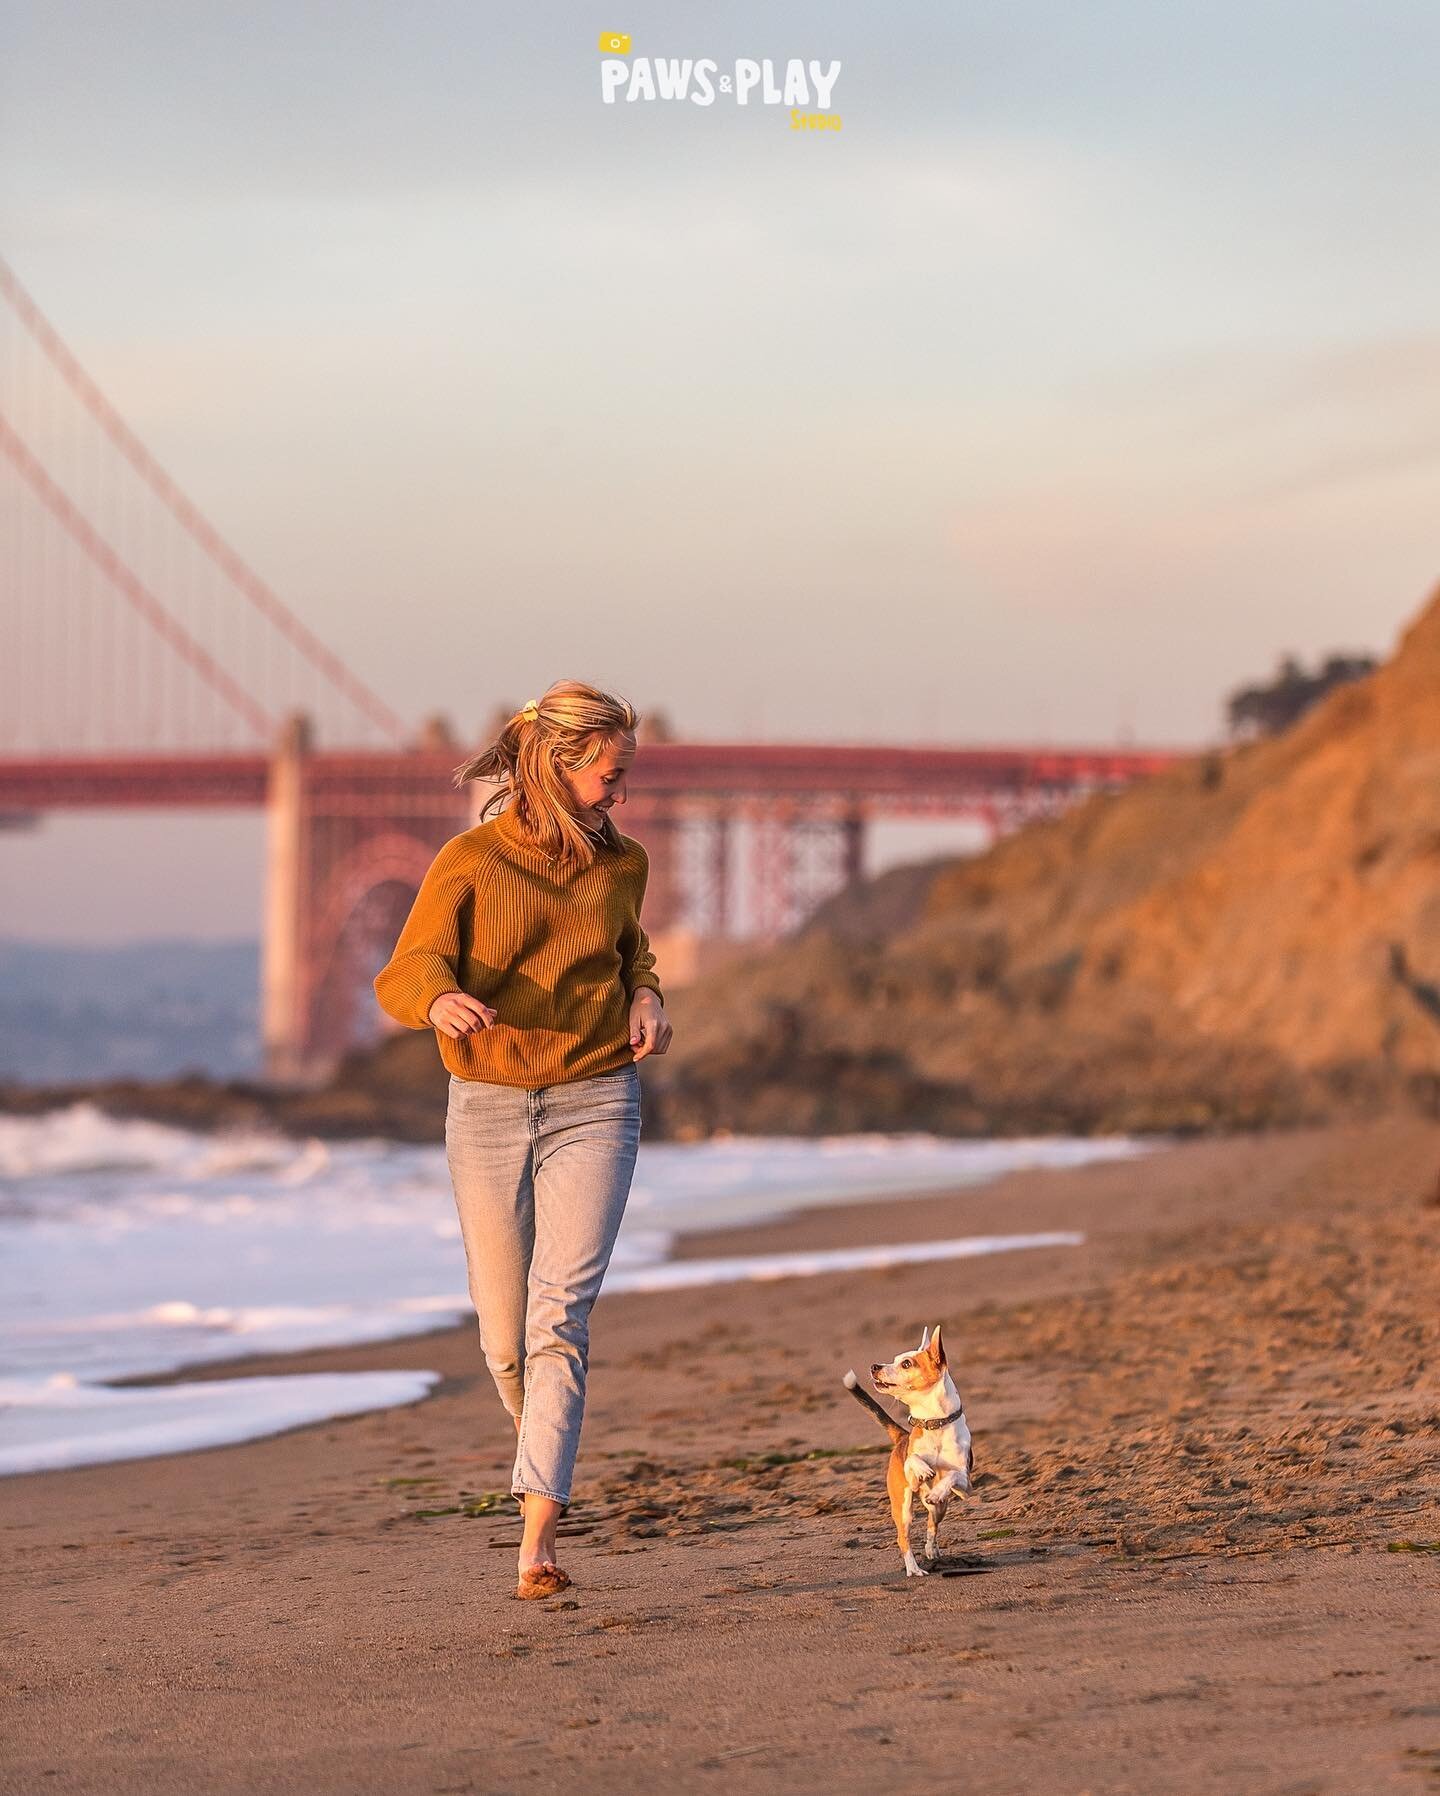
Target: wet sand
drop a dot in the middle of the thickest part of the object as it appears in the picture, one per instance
(1203, 1552)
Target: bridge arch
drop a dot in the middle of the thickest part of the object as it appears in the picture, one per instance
(362, 902)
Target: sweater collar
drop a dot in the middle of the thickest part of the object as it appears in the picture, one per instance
(508, 824)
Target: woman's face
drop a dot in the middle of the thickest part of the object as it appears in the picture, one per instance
(602, 784)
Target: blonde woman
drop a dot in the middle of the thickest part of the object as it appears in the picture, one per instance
(524, 953)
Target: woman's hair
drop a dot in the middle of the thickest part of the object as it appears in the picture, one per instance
(567, 728)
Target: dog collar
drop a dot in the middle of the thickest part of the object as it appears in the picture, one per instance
(937, 1421)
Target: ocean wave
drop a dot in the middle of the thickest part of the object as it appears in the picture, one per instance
(135, 1249)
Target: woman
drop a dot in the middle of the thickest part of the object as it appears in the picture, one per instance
(524, 952)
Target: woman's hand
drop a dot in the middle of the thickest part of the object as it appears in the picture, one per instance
(457, 1013)
(649, 1026)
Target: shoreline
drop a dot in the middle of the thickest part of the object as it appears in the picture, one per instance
(141, 1253)
(1203, 1441)
(854, 1221)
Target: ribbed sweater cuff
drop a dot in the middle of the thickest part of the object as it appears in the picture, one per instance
(646, 982)
(408, 995)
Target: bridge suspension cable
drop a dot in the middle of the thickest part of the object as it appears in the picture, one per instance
(51, 611)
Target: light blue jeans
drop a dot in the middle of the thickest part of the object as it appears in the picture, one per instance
(541, 1178)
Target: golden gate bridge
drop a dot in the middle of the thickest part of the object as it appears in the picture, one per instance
(146, 664)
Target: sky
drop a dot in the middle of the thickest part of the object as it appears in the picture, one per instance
(1087, 368)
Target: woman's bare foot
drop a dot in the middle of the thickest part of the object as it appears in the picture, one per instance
(537, 1541)
(541, 1580)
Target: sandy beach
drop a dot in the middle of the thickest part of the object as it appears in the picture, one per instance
(1203, 1553)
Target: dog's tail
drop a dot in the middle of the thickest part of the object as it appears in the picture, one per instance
(887, 1421)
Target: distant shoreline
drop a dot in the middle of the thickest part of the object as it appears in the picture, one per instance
(364, 1101)
(197, 1101)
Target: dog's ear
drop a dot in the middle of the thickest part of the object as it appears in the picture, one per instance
(924, 1340)
(937, 1346)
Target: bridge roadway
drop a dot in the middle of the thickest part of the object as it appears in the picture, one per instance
(885, 777)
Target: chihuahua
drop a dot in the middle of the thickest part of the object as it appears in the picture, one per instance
(932, 1458)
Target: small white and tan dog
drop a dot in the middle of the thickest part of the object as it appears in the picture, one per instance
(932, 1458)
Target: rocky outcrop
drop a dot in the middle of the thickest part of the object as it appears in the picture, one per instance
(1252, 937)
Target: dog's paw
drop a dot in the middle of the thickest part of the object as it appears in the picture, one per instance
(913, 1567)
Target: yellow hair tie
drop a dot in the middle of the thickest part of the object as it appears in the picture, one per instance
(530, 709)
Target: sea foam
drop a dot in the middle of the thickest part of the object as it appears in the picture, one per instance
(133, 1249)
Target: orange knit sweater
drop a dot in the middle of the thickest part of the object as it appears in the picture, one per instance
(558, 954)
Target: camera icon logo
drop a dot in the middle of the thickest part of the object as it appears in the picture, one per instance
(615, 43)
